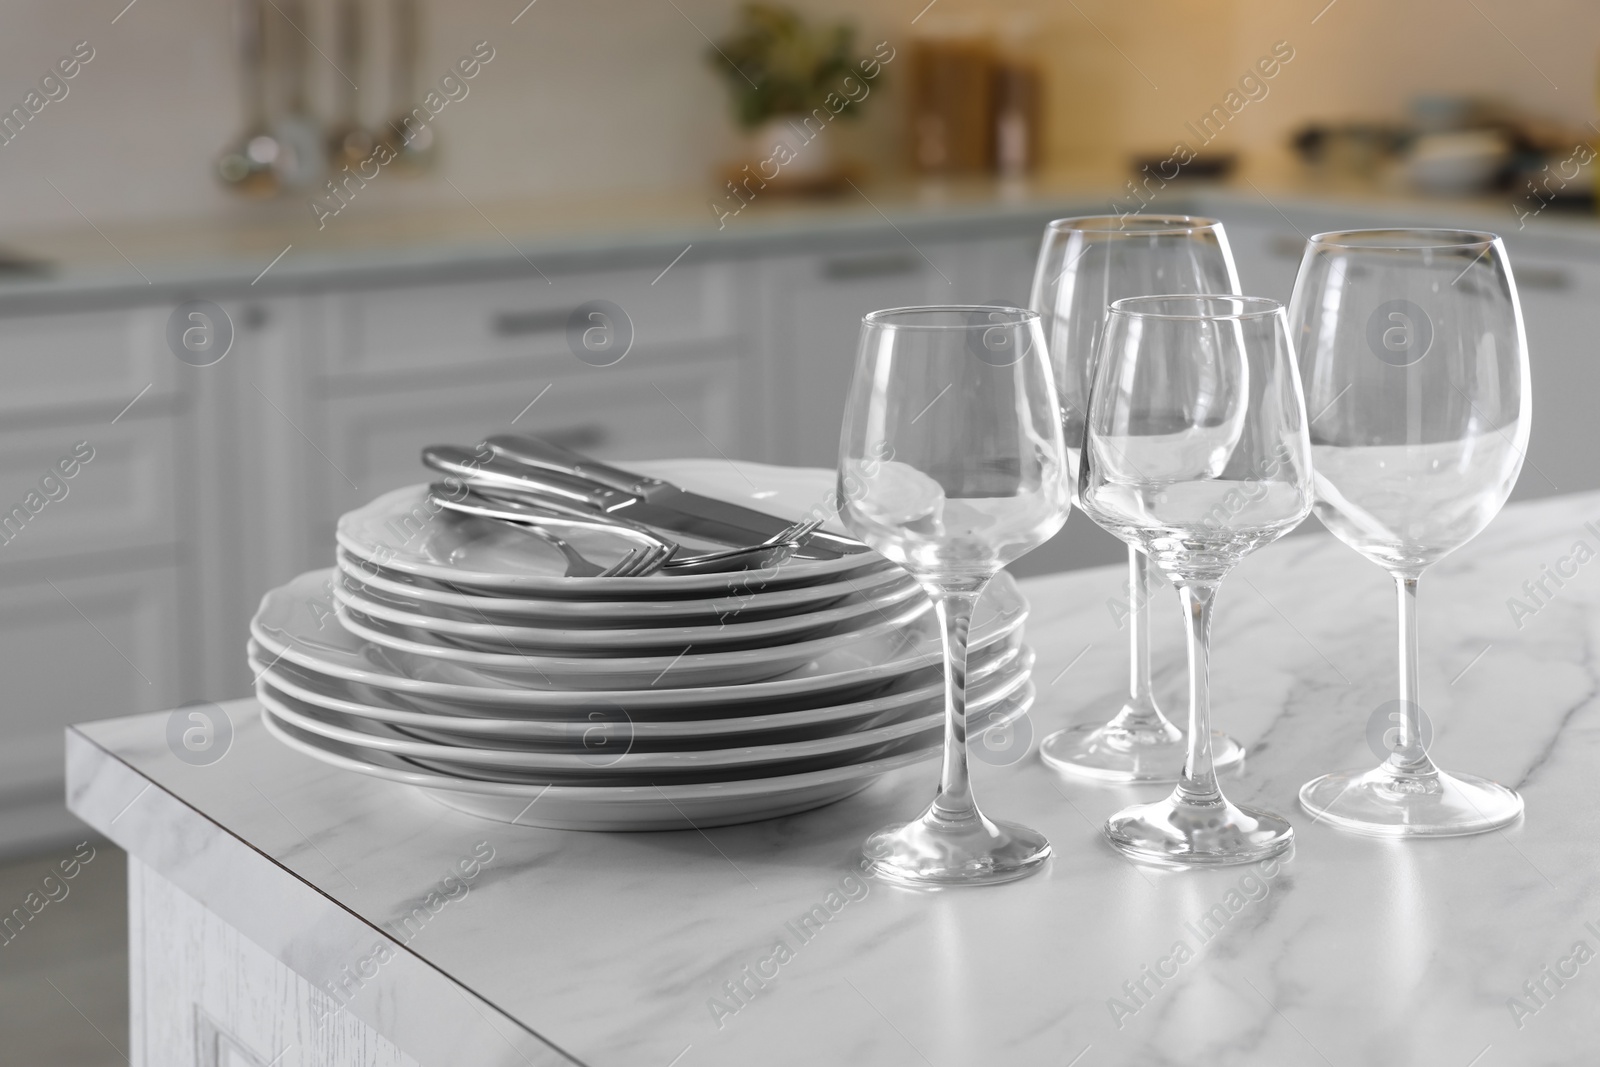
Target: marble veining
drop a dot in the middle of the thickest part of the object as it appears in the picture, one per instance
(633, 948)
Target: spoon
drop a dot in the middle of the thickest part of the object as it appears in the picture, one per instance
(247, 165)
(301, 160)
(349, 142)
(412, 145)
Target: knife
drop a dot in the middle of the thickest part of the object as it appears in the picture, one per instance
(623, 495)
(670, 507)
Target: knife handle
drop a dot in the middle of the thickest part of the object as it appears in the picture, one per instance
(470, 501)
(475, 469)
(533, 452)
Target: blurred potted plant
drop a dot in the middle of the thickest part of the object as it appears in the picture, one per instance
(788, 81)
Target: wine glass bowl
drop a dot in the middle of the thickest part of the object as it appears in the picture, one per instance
(1414, 358)
(1084, 264)
(952, 463)
(1196, 453)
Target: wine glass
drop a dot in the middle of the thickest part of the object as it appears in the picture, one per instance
(952, 464)
(1084, 264)
(1197, 453)
(1416, 367)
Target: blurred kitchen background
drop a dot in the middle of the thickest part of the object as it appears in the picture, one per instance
(256, 253)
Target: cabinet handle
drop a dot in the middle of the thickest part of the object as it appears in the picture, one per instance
(879, 266)
(522, 323)
(1552, 279)
(1286, 247)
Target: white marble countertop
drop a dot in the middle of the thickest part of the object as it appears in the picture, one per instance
(611, 949)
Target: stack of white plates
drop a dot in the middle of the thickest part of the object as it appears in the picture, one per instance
(452, 654)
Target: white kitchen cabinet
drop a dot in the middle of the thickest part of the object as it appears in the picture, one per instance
(814, 305)
(84, 364)
(671, 407)
(1561, 311)
(76, 644)
(122, 497)
(461, 329)
(1267, 254)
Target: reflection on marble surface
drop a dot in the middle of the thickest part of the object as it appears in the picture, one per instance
(638, 948)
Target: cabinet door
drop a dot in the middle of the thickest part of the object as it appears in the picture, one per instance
(998, 270)
(1561, 311)
(1267, 255)
(812, 326)
(119, 496)
(669, 410)
(89, 647)
(491, 326)
(94, 360)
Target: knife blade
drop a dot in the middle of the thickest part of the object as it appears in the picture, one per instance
(659, 503)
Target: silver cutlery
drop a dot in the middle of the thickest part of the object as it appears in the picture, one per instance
(480, 503)
(582, 482)
(635, 564)
(247, 164)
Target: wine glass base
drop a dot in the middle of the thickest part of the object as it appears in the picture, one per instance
(1381, 804)
(1107, 753)
(937, 852)
(1177, 833)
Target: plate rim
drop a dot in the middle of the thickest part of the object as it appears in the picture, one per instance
(513, 696)
(733, 757)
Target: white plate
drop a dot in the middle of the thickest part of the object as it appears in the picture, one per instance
(389, 607)
(906, 698)
(754, 602)
(402, 531)
(602, 671)
(304, 630)
(677, 806)
(608, 754)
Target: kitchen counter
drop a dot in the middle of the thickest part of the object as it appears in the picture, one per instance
(279, 246)
(627, 949)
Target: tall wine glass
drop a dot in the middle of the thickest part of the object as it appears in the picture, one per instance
(952, 464)
(1416, 368)
(1197, 453)
(1084, 264)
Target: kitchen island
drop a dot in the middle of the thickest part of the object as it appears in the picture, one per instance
(287, 913)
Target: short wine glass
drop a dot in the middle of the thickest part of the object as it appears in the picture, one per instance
(1416, 365)
(1084, 264)
(1197, 453)
(952, 464)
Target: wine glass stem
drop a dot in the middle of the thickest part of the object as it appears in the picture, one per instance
(1409, 757)
(1140, 701)
(1198, 783)
(954, 801)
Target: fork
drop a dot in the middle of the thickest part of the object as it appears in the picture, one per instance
(497, 502)
(646, 559)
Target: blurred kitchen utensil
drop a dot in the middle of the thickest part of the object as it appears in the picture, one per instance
(247, 165)
(1457, 162)
(952, 95)
(412, 143)
(301, 161)
(1348, 150)
(349, 141)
